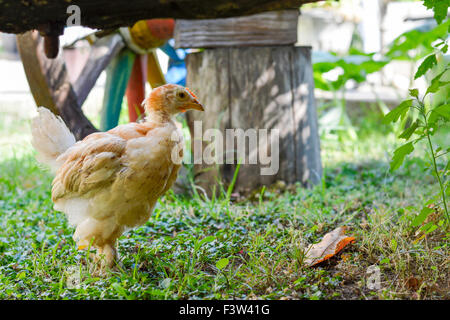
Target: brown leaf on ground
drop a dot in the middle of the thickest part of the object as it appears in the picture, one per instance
(331, 244)
(412, 283)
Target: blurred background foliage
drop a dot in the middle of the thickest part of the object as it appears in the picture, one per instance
(349, 70)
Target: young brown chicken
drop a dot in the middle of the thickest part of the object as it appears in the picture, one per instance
(110, 181)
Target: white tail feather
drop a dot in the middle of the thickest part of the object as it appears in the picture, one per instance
(51, 137)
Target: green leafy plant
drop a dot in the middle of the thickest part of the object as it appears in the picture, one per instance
(353, 67)
(426, 118)
(417, 43)
(412, 45)
(440, 8)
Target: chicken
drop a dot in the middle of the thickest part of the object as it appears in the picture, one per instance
(109, 182)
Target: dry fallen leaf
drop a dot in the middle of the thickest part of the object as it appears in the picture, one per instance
(412, 283)
(332, 243)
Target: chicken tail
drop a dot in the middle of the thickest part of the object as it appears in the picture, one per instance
(51, 137)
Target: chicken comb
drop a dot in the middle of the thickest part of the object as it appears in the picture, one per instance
(195, 97)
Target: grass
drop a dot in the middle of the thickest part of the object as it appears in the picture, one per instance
(259, 242)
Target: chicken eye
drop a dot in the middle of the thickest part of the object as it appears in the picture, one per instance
(181, 95)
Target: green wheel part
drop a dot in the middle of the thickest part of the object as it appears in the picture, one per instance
(117, 76)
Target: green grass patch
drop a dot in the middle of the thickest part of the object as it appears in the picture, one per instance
(192, 248)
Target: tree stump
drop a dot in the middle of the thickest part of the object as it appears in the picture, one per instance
(264, 87)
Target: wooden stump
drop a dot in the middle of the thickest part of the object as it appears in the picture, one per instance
(261, 88)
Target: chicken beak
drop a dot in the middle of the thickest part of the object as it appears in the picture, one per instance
(194, 106)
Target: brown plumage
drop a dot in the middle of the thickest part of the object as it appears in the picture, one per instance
(110, 181)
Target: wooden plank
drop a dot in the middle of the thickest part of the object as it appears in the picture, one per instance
(101, 54)
(155, 76)
(50, 84)
(27, 45)
(20, 16)
(264, 29)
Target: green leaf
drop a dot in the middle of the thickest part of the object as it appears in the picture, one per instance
(421, 217)
(409, 131)
(400, 110)
(119, 289)
(434, 87)
(405, 46)
(400, 154)
(426, 65)
(414, 93)
(436, 83)
(442, 111)
(206, 240)
(222, 263)
(355, 66)
(427, 226)
(440, 8)
(393, 244)
(320, 82)
(430, 227)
